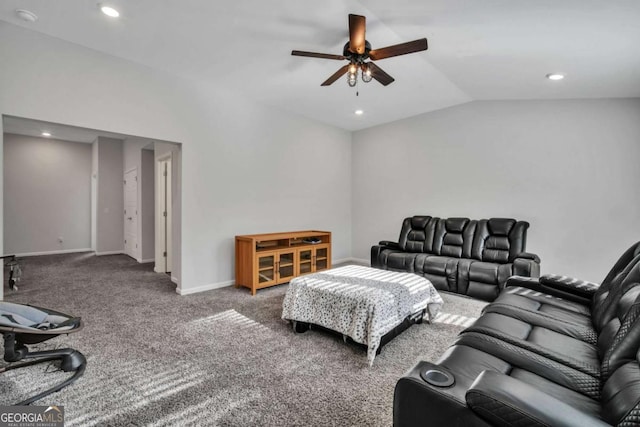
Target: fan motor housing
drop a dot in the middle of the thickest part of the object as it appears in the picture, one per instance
(354, 57)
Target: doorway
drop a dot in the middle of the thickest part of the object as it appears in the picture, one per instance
(164, 215)
(131, 214)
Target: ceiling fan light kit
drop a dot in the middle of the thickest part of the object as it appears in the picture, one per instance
(358, 50)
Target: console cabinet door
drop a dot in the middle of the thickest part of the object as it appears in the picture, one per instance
(266, 269)
(286, 267)
(305, 261)
(321, 258)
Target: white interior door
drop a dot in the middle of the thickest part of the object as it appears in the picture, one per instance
(163, 217)
(168, 217)
(131, 213)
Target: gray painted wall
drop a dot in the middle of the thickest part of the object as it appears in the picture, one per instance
(110, 212)
(94, 195)
(47, 194)
(570, 168)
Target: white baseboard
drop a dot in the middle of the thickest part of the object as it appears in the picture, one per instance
(145, 261)
(174, 279)
(219, 285)
(203, 288)
(109, 253)
(63, 251)
(356, 260)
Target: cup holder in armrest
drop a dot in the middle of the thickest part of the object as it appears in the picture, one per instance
(437, 377)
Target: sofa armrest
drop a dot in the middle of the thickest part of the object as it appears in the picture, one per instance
(536, 284)
(529, 255)
(583, 288)
(378, 260)
(526, 264)
(389, 244)
(505, 401)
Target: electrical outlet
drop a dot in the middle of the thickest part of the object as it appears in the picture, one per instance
(60, 239)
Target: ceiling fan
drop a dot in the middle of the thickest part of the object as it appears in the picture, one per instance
(357, 50)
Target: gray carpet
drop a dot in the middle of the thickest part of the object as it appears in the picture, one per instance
(220, 357)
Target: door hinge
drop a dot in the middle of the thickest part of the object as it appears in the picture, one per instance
(136, 245)
(164, 254)
(125, 240)
(164, 173)
(125, 211)
(164, 213)
(136, 179)
(125, 182)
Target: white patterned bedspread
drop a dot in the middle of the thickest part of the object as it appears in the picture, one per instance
(361, 302)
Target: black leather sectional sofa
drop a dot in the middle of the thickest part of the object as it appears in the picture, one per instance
(553, 351)
(469, 257)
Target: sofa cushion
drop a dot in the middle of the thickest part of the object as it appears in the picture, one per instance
(401, 261)
(414, 234)
(537, 301)
(482, 280)
(573, 398)
(499, 239)
(440, 270)
(454, 237)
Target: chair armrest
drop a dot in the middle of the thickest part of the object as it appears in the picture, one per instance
(526, 264)
(389, 244)
(570, 284)
(529, 255)
(505, 401)
(536, 284)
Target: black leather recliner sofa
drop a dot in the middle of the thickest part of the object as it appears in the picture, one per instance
(550, 352)
(469, 257)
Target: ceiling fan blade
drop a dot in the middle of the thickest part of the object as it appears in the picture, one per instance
(357, 28)
(379, 74)
(398, 49)
(336, 75)
(317, 55)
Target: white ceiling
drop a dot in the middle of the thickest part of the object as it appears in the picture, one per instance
(478, 49)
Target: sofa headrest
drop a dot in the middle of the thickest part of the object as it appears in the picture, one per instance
(419, 222)
(501, 226)
(413, 235)
(456, 225)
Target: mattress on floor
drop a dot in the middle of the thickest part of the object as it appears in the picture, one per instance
(361, 302)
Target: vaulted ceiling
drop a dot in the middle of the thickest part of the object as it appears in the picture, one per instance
(478, 49)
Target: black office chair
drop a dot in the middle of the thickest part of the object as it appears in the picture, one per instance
(24, 324)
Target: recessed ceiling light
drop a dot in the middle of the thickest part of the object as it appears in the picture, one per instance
(26, 15)
(555, 76)
(46, 134)
(359, 112)
(108, 10)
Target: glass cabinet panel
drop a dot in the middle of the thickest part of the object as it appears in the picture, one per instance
(265, 276)
(321, 258)
(304, 263)
(321, 264)
(266, 268)
(286, 267)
